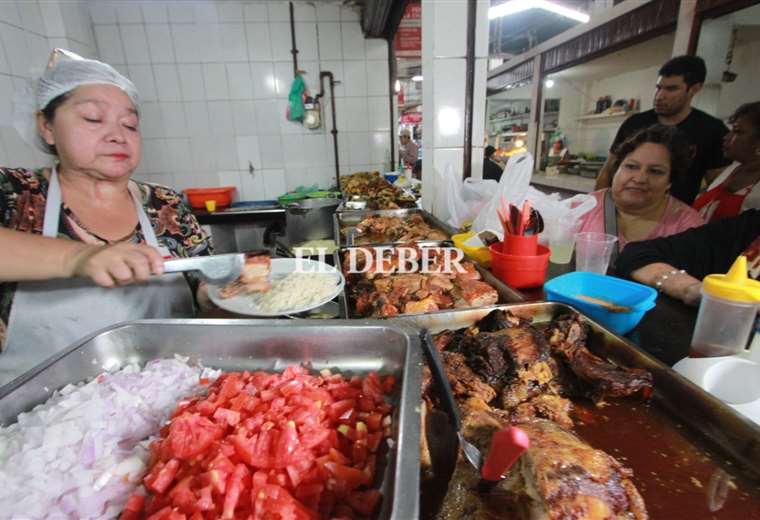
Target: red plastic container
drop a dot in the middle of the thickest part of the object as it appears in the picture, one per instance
(520, 271)
(520, 245)
(197, 197)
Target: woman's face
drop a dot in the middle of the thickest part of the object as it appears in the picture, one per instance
(742, 143)
(95, 130)
(643, 178)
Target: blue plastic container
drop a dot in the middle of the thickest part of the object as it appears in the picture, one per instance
(639, 298)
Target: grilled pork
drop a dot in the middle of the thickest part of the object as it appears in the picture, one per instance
(253, 279)
(559, 477)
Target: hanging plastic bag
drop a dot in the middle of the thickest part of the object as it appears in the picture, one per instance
(295, 99)
(513, 186)
(455, 202)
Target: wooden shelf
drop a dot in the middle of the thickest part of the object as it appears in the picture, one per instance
(513, 134)
(603, 117)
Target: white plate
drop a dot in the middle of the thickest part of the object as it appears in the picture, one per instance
(280, 268)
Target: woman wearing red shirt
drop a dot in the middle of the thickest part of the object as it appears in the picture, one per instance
(738, 187)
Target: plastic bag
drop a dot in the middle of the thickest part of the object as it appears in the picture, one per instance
(465, 199)
(295, 99)
(515, 188)
(455, 202)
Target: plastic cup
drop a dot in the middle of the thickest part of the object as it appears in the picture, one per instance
(562, 240)
(593, 251)
(210, 206)
(520, 245)
(723, 327)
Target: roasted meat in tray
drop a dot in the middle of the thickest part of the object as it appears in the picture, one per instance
(411, 279)
(604, 444)
(378, 229)
(504, 371)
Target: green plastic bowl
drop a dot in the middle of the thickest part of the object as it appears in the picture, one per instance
(290, 197)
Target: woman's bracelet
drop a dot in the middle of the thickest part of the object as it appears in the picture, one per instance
(664, 276)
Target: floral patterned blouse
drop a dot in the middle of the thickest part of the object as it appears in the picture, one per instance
(23, 194)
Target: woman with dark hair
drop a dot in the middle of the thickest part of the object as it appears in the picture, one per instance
(738, 187)
(84, 244)
(491, 169)
(639, 206)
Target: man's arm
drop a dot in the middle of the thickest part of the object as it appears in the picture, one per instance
(604, 180)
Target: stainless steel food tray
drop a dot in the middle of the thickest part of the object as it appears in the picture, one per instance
(344, 220)
(506, 293)
(713, 424)
(354, 347)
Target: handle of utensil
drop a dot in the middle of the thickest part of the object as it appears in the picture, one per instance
(441, 379)
(507, 446)
(180, 265)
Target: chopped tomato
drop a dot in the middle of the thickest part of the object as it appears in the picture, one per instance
(265, 446)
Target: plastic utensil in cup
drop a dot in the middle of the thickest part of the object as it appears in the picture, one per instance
(210, 206)
(593, 251)
(562, 240)
(520, 245)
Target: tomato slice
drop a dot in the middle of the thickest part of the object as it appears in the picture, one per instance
(352, 477)
(287, 444)
(225, 416)
(162, 476)
(191, 434)
(372, 388)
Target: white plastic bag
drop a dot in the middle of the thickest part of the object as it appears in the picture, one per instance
(513, 187)
(455, 203)
(466, 199)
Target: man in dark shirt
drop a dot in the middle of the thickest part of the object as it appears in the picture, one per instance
(680, 79)
(491, 170)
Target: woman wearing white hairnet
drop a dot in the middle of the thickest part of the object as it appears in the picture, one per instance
(82, 244)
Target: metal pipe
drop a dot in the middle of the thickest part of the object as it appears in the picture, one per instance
(469, 87)
(391, 94)
(293, 48)
(327, 74)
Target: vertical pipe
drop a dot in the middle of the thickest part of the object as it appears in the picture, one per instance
(472, 9)
(322, 75)
(293, 48)
(391, 94)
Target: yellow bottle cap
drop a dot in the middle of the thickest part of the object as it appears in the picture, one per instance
(735, 285)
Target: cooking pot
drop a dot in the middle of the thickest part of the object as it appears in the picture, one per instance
(310, 219)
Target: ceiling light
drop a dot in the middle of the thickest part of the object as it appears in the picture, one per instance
(517, 6)
(417, 78)
(549, 83)
(397, 86)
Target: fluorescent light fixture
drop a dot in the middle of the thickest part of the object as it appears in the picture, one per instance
(517, 6)
(519, 143)
(417, 78)
(549, 83)
(397, 86)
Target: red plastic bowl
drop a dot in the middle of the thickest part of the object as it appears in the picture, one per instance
(520, 271)
(197, 197)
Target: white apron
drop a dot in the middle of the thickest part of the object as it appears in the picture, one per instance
(48, 316)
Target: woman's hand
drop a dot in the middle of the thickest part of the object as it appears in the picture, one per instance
(115, 265)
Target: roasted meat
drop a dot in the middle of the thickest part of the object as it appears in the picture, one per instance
(465, 384)
(498, 320)
(380, 229)
(559, 477)
(253, 279)
(411, 279)
(567, 337)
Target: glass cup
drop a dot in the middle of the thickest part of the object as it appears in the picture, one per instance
(593, 251)
(562, 240)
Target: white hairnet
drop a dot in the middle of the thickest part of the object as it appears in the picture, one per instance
(65, 72)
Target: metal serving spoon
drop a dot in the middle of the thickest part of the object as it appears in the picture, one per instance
(215, 269)
(507, 445)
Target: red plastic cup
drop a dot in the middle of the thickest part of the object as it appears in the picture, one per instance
(520, 271)
(520, 245)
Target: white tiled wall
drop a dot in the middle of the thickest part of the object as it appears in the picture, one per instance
(214, 76)
(28, 31)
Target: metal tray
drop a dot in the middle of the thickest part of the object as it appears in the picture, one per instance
(506, 293)
(352, 347)
(347, 219)
(710, 425)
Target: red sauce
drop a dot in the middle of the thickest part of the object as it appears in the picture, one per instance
(672, 468)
